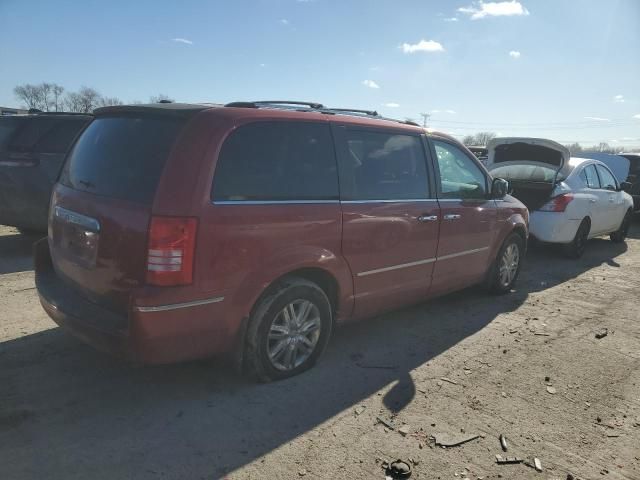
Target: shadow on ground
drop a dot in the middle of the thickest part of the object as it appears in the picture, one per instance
(15, 252)
(68, 412)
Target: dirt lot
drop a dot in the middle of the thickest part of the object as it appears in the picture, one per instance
(68, 412)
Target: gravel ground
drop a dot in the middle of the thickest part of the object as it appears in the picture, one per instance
(466, 364)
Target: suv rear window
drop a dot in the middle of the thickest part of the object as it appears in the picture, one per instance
(121, 157)
(42, 134)
(277, 161)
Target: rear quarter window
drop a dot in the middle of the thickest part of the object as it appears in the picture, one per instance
(277, 161)
(121, 157)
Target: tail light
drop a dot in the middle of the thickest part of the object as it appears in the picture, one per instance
(172, 242)
(557, 204)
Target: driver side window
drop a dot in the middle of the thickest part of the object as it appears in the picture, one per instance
(460, 177)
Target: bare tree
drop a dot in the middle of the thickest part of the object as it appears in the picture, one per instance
(574, 148)
(109, 101)
(45, 96)
(160, 97)
(28, 94)
(56, 92)
(83, 101)
(469, 140)
(482, 138)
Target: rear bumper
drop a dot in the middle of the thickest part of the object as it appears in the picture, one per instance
(103, 329)
(552, 227)
(148, 334)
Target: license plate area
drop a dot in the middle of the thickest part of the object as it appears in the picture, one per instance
(76, 236)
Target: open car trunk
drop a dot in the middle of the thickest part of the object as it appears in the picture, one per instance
(533, 167)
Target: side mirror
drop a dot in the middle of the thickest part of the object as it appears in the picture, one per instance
(499, 188)
(626, 186)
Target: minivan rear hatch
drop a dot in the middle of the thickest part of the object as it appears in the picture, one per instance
(101, 207)
(533, 166)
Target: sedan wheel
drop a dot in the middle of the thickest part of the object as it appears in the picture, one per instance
(620, 235)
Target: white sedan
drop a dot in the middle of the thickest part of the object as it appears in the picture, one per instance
(570, 199)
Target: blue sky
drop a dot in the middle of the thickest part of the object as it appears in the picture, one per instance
(567, 70)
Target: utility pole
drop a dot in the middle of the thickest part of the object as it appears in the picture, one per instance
(425, 118)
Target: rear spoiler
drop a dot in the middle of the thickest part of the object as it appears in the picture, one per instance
(170, 109)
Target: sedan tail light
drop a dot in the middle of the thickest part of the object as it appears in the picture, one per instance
(557, 204)
(170, 255)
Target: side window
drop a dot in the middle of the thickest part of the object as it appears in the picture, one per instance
(377, 165)
(590, 177)
(460, 177)
(276, 161)
(607, 180)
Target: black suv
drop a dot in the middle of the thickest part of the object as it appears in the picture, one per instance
(32, 151)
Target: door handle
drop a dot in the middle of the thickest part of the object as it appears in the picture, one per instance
(428, 218)
(452, 216)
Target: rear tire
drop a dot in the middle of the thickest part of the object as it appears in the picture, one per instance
(289, 329)
(620, 235)
(576, 248)
(506, 266)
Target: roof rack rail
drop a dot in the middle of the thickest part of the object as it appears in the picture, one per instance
(371, 113)
(260, 103)
(318, 107)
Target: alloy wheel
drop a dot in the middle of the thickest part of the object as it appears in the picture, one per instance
(293, 335)
(509, 264)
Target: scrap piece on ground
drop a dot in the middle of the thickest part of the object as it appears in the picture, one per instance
(397, 469)
(507, 460)
(387, 423)
(503, 442)
(603, 332)
(442, 440)
(551, 390)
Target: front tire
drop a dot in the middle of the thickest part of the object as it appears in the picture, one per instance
(506, 267)
(288, 330)
(578, 245)
(620, 235)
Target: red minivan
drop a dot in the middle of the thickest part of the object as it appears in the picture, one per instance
(180, 231)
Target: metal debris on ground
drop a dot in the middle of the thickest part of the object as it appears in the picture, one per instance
(397, 469)
(442, 440)
(404, 430)
(500, 460)
(538, 464)
(503, 442)
(551, 390)
(359, 409)
(445, 379)
(387, 423)
(603, 332)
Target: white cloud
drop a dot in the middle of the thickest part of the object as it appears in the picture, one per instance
(452, 112)
(374, 69)
(637, 115)
(514, 54)
(392, 105)
(284, 21)
(451, 19)
(263, 64)
(370, 84)
(481, 9)
(422, 46)
(598, 119)
(182, 40)
(618, 99)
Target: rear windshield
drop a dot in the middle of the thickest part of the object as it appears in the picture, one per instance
(121, 157)
(526, 173)
(46, 134)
